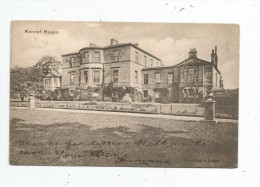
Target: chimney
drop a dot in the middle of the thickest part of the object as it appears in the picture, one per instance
(92, 45)
(113, 42)
(136, 44)
(193, 53)
(216, 57)
(213, 56)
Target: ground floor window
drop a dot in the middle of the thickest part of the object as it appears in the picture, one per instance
(145, 93)
(96, 76)
(86, 76)
(72, 78)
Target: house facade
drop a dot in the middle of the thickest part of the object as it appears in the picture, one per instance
(128, 65)
(120, 64)
(188, 81)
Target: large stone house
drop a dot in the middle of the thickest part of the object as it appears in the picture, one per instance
(128, 65)
(120, 64)
(187, 81)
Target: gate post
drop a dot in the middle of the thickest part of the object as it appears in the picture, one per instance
(209, 105)
(31, 102)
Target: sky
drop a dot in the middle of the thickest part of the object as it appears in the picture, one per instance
(170, 42)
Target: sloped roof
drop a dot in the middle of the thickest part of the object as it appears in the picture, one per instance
(51, 74)
(196, 61)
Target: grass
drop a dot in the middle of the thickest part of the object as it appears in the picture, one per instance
(42, 137)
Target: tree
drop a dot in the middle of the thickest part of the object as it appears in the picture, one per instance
(47, 63)
(25, 80)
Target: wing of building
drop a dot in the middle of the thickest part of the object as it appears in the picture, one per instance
(128, 65)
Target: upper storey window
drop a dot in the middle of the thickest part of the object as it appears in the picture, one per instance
(145, 61)
(151, 62)
(116, 56)
(86, 57)
(96, 57)
(136, 56)
(72, 62)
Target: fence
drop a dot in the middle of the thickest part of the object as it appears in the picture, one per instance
(151, 108)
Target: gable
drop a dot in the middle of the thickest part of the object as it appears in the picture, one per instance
(193, 62)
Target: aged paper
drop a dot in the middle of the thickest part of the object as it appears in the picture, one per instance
(124, 94)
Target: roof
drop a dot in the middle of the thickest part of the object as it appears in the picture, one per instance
(113, 46)
(196, 61)
(155, 68)
(51, 74)
(69, 54)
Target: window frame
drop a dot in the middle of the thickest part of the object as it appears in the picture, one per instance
(136, 77)
(157, 79)
(95, 57)
(136, 56)
(145, 93)
(115, 72)
(72, 74)
(171, 80)
(96, 71)
(86, 72)
(116, 56)
(146, 79)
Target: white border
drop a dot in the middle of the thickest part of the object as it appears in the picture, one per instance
(244, 13)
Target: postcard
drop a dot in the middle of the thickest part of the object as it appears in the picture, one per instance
(124, 94)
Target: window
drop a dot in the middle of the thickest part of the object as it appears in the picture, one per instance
(145, 61)
(157, 78)
(197, 76)
(72, 78)
(191, 92)
(145, 93)
(86, 57)
(145, 78)
(96, 75)
(96, 57)
(157, 63)
(191, 75)
(136, 77)
(170, 78)
(72, 62)
(136, 56)
(185, 75)
(115, 76)
(86, 76)
(116, 57)
(151, 62)
(47, 83)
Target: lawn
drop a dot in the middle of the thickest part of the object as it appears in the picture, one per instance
(45, 137)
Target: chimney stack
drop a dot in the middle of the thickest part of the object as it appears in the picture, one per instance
(216, 57)
(213, 56)
(113, 42)
(92, 45)
(193, 53)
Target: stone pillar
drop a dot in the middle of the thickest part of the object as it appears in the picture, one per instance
(210, 108)
(31, 102)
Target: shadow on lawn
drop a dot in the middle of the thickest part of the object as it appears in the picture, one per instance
(148, 142)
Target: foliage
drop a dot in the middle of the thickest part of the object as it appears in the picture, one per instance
(24, 81)
(47, 63)
(163, 93)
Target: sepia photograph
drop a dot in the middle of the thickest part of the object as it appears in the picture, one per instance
(124, 94)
